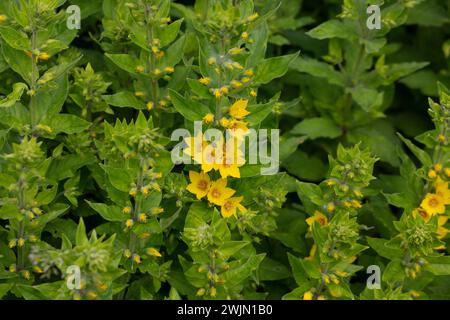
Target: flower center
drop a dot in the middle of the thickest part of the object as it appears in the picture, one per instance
(202, 185)
(433, 202)
(228, 205)
(216, 193)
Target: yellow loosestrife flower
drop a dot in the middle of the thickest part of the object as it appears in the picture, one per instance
(154, 252)
(319, 217)
(200, 184)
(239, 109)
(433, 204)
(229, 207)
(209, 118)
(219, 193)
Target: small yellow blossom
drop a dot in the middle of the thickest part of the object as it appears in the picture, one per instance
(212, 61)
(156, 211)
(127, 253)
(441, 138)
(21, 242)
(217, 93)
(253, 93)
(154, 252)
(432, 174)
(235, 51)
(12, 268)
(308, 295)
(150, 106)
(205, 80)
(447, 172)
(44, 56)
(229, 207)
(156, 72)
(213, 292)
(239, 109)
(137, 258)
(208, 118)
(27, 274)
(91, 295)
(249, 73)
(200, 184)
(319, 217)
(331, 207)
(142, 218)
(201, 292)
(224, 90)
(12, 243)
(129, 223)
(235, 84)
(3, 18)
(253, 17)
(139, 94)
(140, 69)
(442, 190)
(224, 122)
(245, 79)
(244, 35)
(433, 204)
(438, 167)
(169, 70)
(218, 192)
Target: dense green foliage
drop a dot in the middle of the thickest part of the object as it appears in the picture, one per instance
(88, 181)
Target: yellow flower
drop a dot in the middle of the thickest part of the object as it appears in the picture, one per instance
(208, 118)
(12, 268)
(219, 193)
(342, 274)
(237, 128)
(235, 51)
(244, 35)
(127, 253)
(200, 184)
(442, 190)
(126, 210)
(91, 295)
(44, 56)
(212, 156)
(229, 207)
(129, 223)
(437, 167)
(145, 191)
(224, 122)
(169, 69)
(213, 292)
(253, 93)
(432, 174)
(143, 218)
(239, 109)
(27, 274)
(441, 230)
(253, 17)
(433, 204)
(331, 207)
(319, 217)
(21, 242)
(150, 105)
(421, 212)
(321, 297)
(249, 73)
(212, 60)
(245, 79)
(308, 295)
(204, 80)
(140, 69)
(231, 170)
(236, 84)
(195, 147)
(137, 259)
(3, 18)
(156, 72)
(12, 243)
(217, 93)
(154, 252)
(157, 210)
(201, 292)
(139, 94)
(447, 172)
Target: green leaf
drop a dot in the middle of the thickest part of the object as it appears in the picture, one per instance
(423, 157)
(66, 123)
(259, 112)
(81, 237)
(4, 288)
(109, 213)
(124, 99)
(51, 97)
(235, 276)
(315, 128)
(125, 62)
(9, 211)
(15, 39)
(229, 248)
(18, 61)
(119, 178)
(394, 272)
(192, 111)
(379, 245)
(333, 29)
(271, 270)
(439, 266)
(318, 69)
(272, 68)
(14, 96)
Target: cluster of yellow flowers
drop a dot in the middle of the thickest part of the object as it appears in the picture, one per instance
(216, 192)
(434, 203)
